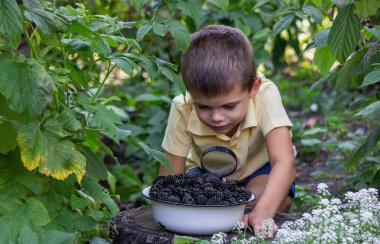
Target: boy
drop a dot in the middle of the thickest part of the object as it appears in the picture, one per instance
(231, 105)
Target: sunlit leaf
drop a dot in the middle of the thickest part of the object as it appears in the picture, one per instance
(31, 89)
(324, 59)
(344, 34)
(281, 25)
(110, 203)
(11, 22)
(366, 8)
(44, 145)
(371, 78)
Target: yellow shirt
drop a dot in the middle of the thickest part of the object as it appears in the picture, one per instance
(187, 136)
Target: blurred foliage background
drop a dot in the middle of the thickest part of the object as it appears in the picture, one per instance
(113, 66)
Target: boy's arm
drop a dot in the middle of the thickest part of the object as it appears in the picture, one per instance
(178, 164)
(281, 157)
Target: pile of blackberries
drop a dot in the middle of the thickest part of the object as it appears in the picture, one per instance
(198, 189)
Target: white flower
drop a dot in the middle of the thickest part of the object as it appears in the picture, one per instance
(239, 225)
(219, 238)
(322, 189)
(325, 201)
(314, 107)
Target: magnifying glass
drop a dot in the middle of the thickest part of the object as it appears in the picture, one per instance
(219, 161)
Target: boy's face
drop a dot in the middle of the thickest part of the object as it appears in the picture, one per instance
(223, 113)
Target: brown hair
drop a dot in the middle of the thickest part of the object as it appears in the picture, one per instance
(218, 58)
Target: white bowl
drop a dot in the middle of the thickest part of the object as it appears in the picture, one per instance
(196, 220)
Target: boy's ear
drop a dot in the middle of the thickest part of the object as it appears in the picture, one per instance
(255, 87)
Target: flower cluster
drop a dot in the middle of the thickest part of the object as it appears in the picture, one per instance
(357, 220)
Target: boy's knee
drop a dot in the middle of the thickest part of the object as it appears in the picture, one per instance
(285, 205)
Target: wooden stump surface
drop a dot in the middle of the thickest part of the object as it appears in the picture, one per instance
(138, 226)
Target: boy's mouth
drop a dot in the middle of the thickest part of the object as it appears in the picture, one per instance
(219, 128)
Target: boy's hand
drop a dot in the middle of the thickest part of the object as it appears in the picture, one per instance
(257, 218)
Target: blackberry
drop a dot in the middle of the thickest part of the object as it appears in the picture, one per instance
(214, 201)
(200, 200)
(174, 199)
(188, 199)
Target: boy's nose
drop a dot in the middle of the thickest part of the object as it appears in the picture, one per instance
(216, 116)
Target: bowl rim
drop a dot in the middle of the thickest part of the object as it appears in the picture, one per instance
(145, 193)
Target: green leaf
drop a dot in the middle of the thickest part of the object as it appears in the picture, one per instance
(281, 25)
(78, 202)
(313, 12)
(92, 187)
(126, 175)
(160, 29)
(36, 212)
(180, 34)
(188, 239)
(54, 236)
(28, 236)
(259, 3)
(95, 166)
(222, 4)
(11, 23)
(110, 203)
(45, 145)
(47, 22)
(40, 183)
(96, 41)
(84, 223)
(371, 78)
(310, 142)
(324, 59)
(5, 232)
(371, 110)
(8, 137)
(344, 34)
(124, 63)
(106, 119)
(137, 4)
(143, 30)
(321, 37)
(31, 88)
(366, 8)
(344, 78)
(191, 8)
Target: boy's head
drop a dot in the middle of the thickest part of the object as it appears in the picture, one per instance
(218, 58)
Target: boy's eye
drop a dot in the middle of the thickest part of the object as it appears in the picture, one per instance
(202, 107)
(229, 107)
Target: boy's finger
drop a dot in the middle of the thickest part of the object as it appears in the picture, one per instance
(245, 219)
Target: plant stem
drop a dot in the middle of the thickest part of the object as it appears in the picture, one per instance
(30, 42)
(65, 66)
(109, 70)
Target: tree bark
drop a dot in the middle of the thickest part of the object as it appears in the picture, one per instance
(138, 226)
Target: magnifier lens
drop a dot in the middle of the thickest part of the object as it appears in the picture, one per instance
(219, 161)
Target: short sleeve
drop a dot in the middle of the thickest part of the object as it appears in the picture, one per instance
(176, 140)
(272, 113)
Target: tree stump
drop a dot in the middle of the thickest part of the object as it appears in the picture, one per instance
(138, 226)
